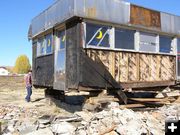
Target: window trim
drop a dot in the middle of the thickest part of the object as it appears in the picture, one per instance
(114, 46)
(156, 42)
(58, 41)
(96, 47)
(51, 43)
(136, 39)
(38, 53)
(172, 44)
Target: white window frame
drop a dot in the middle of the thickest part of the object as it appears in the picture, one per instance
(156, 42)
(120, 49)
(111, 36)
(38, 49)
(136, 41)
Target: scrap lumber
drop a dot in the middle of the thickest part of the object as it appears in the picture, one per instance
(132, 106)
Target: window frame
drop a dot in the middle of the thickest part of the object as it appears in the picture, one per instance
(156, 42)
(171, 46)
(121, 49)
(111, 31)
(58, 39)
(52, 42)
(38, 48)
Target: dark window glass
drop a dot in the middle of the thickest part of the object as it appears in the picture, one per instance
(124, 39)
(48, 43)
(178, 46)
(62, 40)
(178, 57)
(97, 35)
(165, 44)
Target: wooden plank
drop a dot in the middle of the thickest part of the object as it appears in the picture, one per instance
(169, 94)
(138, 66)
(149, 99)
(132, 106)
(141, 84)
(145, 17)
(113, 64)
(158, 68)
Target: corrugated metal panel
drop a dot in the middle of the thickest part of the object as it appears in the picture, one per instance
(177, 24)
(38, 24)
(57, 13)
(170, 23)
(114, 11)
(107, 10)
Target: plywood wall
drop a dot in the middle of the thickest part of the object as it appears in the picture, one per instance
(135, 67)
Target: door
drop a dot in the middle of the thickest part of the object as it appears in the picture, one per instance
(178, 59)
(60, 61)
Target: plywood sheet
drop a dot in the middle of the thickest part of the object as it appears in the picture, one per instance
(145, 17)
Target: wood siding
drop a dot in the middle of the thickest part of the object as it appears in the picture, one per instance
(136, 67)
(145, 17)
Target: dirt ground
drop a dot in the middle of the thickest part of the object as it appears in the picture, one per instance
(13, 92)
(13, 106)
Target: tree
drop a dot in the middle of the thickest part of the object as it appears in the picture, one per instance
(22, 65)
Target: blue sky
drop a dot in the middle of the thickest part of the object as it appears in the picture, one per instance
(16, 15)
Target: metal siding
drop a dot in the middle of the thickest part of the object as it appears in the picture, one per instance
(113, 11)
(38, 24)
(57, 13)
(106, 10)
(177, 24)
(116, 11)
(170, 23)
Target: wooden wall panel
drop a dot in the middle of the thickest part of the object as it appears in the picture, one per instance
(145, 17)
(144, 67)
(132, 74)
(135, 67)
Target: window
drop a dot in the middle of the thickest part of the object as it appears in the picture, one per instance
(165, 44)
(41, 47)
(62, 40)
(124, 39)
(44, 45)
(148, 42)
(178, 46)
(97, 35)
(48, 43)
(178, 57)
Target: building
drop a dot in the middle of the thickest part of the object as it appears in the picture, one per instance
(3, 71)
(104, 44)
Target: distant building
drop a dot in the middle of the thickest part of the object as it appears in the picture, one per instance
(3, 71)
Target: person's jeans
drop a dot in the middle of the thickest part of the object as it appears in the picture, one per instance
(29, 93)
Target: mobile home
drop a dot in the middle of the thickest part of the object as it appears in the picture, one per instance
(88, 45)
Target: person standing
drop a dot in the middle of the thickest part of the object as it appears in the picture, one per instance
(28, 83)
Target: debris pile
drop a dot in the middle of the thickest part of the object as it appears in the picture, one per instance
(110, 121)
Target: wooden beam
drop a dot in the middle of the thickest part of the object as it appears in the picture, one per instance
(132, 106)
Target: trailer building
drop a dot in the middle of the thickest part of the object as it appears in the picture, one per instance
(104, 44)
